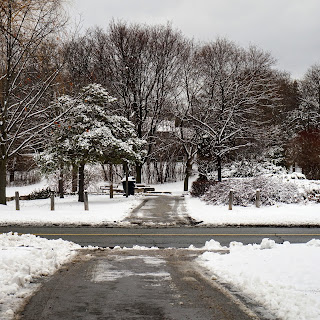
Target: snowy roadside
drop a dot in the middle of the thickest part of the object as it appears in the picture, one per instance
(106, 211)
(278, 215)
(68, 211)
(23, 259)
(284, 278)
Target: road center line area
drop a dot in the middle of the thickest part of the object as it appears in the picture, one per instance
(174, 234)
(181, 237)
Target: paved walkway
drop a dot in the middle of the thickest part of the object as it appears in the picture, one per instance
(131, 284)
(163, 210)
(137, 284)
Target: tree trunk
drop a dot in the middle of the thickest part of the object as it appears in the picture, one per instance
(111, 181)
(11, 176)
(81, 183)
(74, 183)
(104, 172)
(127, 179)
(3, 176)
(219, 168)
(187, 174)
(138, 173)
(60, 184)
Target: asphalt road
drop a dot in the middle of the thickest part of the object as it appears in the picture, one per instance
(177, 237)
(163, 221)
(153, 284)
(126, 284)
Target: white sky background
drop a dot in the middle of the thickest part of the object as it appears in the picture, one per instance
(289, 29)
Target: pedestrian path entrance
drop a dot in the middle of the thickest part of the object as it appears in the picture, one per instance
(132, 284)
(161, 210)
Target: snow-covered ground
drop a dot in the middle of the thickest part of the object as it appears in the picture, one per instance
(23, 259)
(284, 278)
(280, 214)
(26, 190)
(103, 210)
(68, 211)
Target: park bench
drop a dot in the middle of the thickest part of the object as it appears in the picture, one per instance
(141, 188)
(106, 189)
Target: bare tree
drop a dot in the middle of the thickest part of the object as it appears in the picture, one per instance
(25, 26)
(138, 65)
(308, 115)
(186, 133)
(236, 89)
(78, 67)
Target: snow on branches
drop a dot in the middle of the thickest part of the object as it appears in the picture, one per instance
(89, 133)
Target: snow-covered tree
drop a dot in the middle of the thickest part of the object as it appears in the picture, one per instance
(236, 92)
(308, 115)
(139, 65)
(90, 134)
(186, 133)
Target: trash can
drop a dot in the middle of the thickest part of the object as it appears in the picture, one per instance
(131, 185)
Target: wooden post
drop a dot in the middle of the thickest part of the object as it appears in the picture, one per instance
(111, 190)
(258, 202)
(85, 200)
(16, 197)
(52, 201)
(230, 199)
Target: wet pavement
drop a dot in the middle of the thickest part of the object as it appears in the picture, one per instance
(164, 210)
(137, 284)
(133, 284)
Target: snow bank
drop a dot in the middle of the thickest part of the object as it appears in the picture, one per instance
(211, 245)
(24, 258)
(284, 278)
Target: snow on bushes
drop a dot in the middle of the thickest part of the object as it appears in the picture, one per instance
(273, 190)
(250, 168)
(200, 187)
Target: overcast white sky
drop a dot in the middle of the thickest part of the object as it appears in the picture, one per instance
(289, 29)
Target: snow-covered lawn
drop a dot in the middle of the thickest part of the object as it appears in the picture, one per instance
(26, 190)
(284, 278)
(281, 214)
(103, 210)
(68, 211)
(23, 259)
